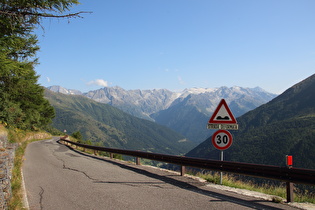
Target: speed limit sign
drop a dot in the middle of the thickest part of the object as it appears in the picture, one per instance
(222, 139)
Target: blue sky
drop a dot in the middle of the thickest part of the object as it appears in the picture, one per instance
(178, 44)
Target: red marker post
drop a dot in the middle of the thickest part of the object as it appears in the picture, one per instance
(289, 160)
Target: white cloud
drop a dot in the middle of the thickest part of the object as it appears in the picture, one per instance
(98, 82)
(180, 80)
(48, 79)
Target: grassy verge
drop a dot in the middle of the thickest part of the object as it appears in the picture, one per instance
(16, 201)
(229, 180)
(18, 136)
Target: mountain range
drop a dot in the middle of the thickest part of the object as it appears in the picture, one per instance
(283, 126)
(108, 126)
(186, 112)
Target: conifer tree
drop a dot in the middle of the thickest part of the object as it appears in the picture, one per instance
(22, 102)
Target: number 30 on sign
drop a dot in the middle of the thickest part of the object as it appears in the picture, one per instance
(222, 139)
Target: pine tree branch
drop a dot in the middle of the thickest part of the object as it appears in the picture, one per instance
(45, 15)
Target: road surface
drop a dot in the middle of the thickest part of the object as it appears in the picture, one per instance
(57, 177)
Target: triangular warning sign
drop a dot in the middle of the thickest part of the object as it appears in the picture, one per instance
(222, 114)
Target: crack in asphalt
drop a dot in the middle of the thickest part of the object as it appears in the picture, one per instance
(133, 184)
(140, 184)
(76, 170)
(72, 169)
(41, 197)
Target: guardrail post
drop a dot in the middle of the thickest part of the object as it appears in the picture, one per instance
(138, 161)
(95, 152)
(111, 155)
(290, 192)
(182, 170)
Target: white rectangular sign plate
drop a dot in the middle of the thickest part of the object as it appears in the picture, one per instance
(222, 126)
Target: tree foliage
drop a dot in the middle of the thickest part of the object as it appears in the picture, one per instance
(77, 135)
(22, 102)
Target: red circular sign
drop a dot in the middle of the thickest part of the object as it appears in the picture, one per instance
(222, 139)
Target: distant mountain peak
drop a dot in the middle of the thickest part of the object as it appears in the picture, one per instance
(59, 89)
(258, 89)
(196, 90)
(186, 111)
(143, 103)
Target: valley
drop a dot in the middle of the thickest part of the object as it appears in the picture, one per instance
(271, 126)
(185, 112)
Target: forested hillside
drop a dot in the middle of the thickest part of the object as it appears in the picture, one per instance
(284, 126)
(112, 127)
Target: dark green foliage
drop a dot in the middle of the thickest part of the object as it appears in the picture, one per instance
(22, 102)
(284, 126)
(77, 135)
(87, 142)
(112, 127)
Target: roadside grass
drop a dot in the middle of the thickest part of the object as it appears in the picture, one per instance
(16, 201)
(18, 136)
(300, 196)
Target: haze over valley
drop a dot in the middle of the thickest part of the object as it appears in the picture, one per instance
(185, 112)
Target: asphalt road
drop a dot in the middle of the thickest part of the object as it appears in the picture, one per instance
(57, 177)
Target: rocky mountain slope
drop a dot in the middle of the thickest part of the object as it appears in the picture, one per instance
(59, 89)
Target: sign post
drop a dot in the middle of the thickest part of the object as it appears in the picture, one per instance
(221, 173)
(222, 118)
(222, 140)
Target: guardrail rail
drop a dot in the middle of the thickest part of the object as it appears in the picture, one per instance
(286, 174)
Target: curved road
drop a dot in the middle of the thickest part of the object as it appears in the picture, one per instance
(57, 177)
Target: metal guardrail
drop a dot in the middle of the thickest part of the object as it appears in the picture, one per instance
(285, 174)
(289, 175)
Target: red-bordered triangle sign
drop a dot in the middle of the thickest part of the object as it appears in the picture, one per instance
(223, 114)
